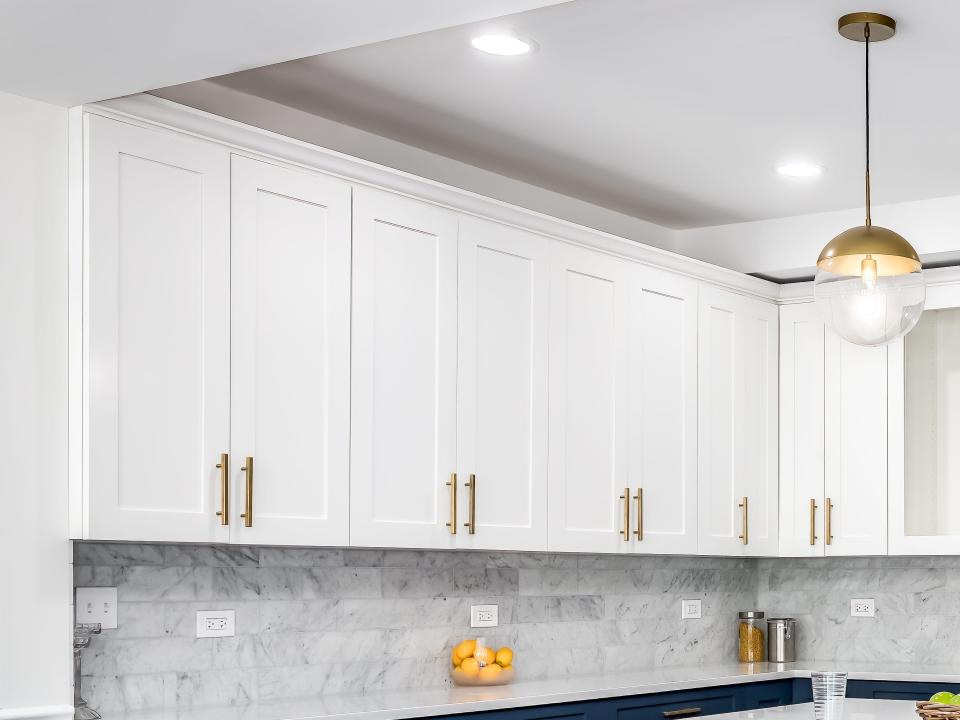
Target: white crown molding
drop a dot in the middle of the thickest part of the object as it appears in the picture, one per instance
(802, 292)
(147, 110)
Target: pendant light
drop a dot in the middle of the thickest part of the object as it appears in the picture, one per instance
(869, 284)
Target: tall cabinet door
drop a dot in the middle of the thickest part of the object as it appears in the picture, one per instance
(589, 335)
(801, 430)
(855, 505)
(502, 389)
(404, 384)
(662, 425)
(157, 321)
(737, 424)
(291, 356)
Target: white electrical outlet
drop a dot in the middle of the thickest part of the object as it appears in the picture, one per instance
(863, 607)
(97, 605)
(691, 609)
(484, 616)
(216, 623)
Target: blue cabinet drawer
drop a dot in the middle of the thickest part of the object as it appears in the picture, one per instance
(721, 700)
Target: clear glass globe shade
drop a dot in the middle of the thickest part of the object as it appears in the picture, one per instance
(870, 310)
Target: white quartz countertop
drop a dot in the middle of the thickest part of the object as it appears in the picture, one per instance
(398, 705)
(853, 709)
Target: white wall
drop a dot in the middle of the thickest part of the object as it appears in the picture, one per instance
(35, 555)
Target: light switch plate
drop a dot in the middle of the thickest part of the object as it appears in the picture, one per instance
(484, 616)
(216, 623)
(97, 605)
(691, 609)
(863, 607)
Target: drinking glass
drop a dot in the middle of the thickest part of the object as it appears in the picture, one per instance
(829, 689)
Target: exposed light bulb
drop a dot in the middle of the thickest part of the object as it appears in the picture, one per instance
(868, 273)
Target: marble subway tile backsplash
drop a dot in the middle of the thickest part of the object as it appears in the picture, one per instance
(317, 621)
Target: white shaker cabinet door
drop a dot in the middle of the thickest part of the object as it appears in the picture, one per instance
(291, 356)
(404, 384)
(662, 424)
(737, 424)
(502, 389)
(589, 345)
(801, 430)
(156, 334)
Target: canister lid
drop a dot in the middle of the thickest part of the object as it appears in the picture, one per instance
(781, 621)
(751, 614)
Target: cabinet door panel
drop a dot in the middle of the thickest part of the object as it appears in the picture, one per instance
(157, 319)
(502, 408)
(403, 442)
(588, 349)
(291, 353)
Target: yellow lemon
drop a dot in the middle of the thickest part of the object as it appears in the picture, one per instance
(465, 649)
(470, 667)
(504, 657)
(454, 658)
(490, 672)
(485, 655)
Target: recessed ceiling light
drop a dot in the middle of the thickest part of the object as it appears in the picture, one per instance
(800, 170)
(502, 45)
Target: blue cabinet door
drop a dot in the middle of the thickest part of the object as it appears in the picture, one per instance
(891, 690)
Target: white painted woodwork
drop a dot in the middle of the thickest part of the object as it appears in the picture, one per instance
(502, 389)
(290, 360)
(855, 447)
(924, 430)
(802, 334)
(157, 341)
(589, 397)
(404, 344)
(737, 393)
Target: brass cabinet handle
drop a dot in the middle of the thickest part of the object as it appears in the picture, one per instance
(452, 484)
(813, 521)
(626, 514)
(224, 466)
(828, 526)
(639, 498)
(682, 711)
(471, 523)
(746, 520)
(247, 470)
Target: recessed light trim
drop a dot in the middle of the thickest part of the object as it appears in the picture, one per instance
(502, 44)
(800, 170)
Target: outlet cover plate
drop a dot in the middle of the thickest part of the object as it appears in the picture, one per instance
(863, 607)
(97, 605)
(691, 609)
(216, 623)
(484, 616)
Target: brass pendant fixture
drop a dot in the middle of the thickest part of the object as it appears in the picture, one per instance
(869, 282)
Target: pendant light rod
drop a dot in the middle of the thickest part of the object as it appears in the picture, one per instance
(866, 64)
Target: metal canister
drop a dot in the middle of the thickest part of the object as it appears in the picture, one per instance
(781, 640)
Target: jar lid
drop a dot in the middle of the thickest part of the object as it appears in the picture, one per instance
(781, 621)
(751, 614)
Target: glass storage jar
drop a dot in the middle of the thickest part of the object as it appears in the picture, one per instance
(752, 640)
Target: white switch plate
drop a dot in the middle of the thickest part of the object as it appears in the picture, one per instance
(216, 623)
(484, 616)
(97, 605)
(863, 607)
(691, 609)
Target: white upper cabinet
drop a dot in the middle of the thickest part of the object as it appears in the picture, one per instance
(737, 424)
(404, 372)
(290, 409)
(156, 317)
(924, 450)
(502, 389)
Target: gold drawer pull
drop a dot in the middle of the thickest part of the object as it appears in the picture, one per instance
(813, 521)
(626, 514)
(471, 523)
(639, 498)
(828, 527)
(746, 521)
(224, 467)
(247, 470)
(452, 484)
(681, 712)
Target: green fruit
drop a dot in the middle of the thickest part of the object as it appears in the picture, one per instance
(954, 700)
(944, 698)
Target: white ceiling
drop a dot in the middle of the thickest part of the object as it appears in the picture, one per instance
(74, 51)
(676, 111)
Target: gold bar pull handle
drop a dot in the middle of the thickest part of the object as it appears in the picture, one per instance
(224, 467)
(626, 514)
(682, 712)
(452, 484)
(745, 513)
(639, 498)
(813, 521)
(828, 522)
(247, 514)
(471, 523)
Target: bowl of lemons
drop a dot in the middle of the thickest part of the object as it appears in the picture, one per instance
(473, 662)
(942, 706)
